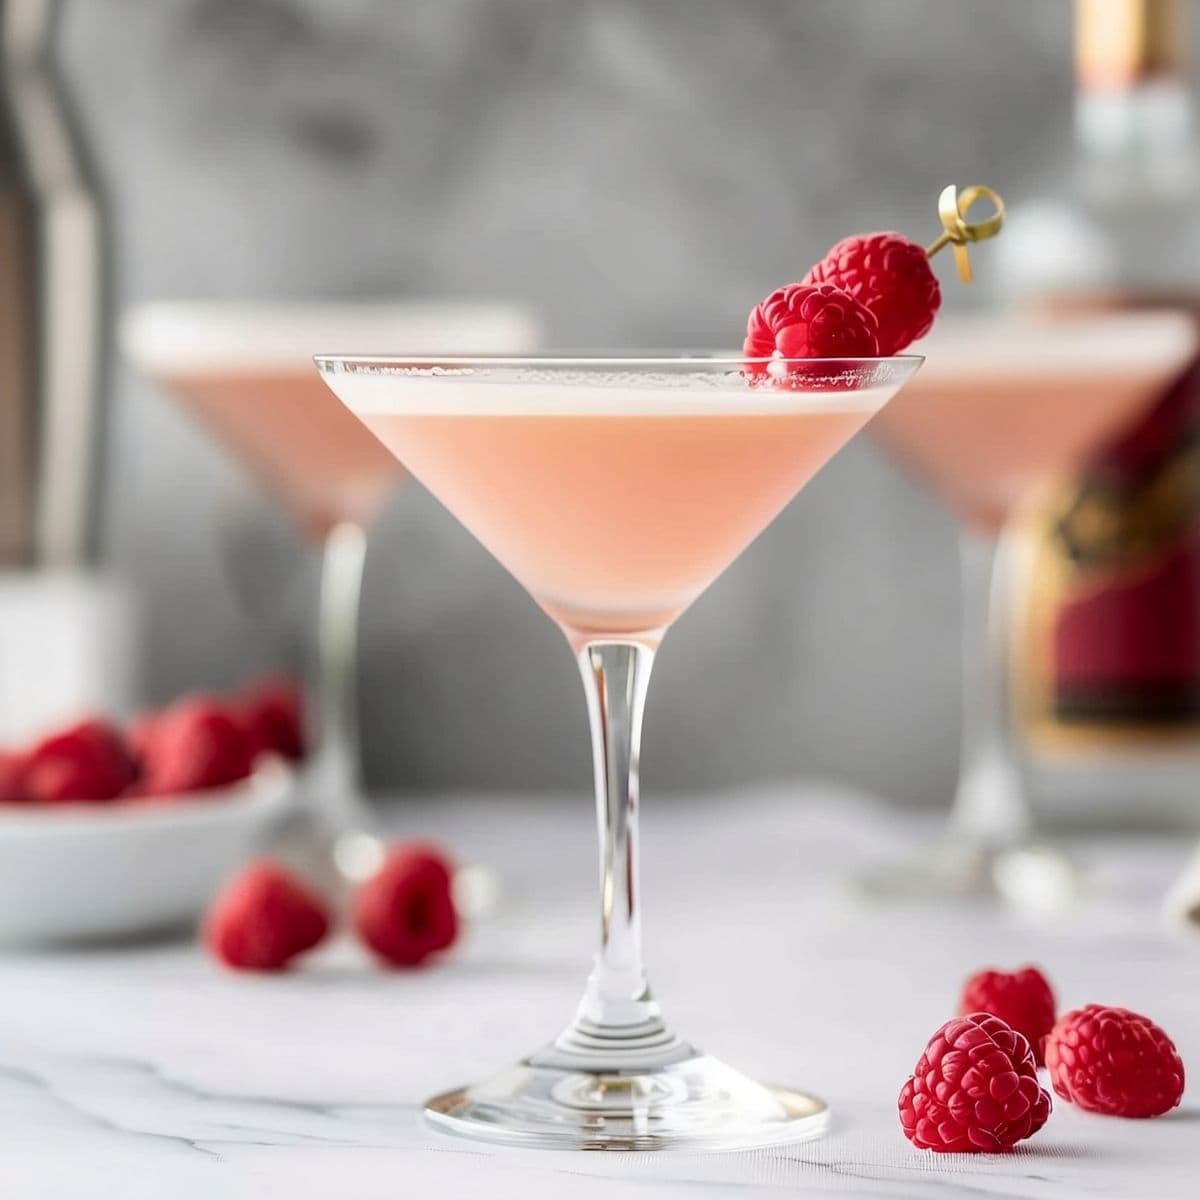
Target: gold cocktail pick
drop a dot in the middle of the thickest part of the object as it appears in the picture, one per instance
(958, 232)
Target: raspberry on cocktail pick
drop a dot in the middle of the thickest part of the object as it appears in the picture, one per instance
(891, 277)
(809, 320)
(890, 274)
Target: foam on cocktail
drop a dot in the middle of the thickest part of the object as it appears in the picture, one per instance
(464, 392)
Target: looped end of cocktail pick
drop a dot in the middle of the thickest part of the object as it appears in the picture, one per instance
(957, 231)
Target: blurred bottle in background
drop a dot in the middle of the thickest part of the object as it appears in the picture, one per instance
(51, 316)
(65, 628)
(1108, 658)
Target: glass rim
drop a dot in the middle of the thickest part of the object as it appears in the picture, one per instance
(722, 360)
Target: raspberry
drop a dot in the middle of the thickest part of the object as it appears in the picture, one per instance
(85, 762)
(405, 912)
(264, 918)
(12, 778)
(975, 1088)
(1111, 1060)
(892, 277)
(1022, 999)
(272, 714)
(195, 743)
(141, 739)
(809, 321)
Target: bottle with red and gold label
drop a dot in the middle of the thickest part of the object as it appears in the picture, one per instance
(1108, 657)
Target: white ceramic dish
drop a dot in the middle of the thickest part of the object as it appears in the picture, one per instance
(79, 873)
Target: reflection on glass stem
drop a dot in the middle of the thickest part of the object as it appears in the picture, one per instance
(991, 808)
(338, 805)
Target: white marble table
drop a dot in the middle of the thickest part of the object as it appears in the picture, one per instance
(145, 1072)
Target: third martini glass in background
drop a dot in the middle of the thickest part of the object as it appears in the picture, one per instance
(244, 371)
(1000, 411)
(615, 491)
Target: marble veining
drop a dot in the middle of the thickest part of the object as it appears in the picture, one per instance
(145, 1069)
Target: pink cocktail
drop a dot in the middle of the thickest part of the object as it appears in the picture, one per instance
(244, 372)
(1002, 410)
(536, 488)
(327, 471)
(616, 491)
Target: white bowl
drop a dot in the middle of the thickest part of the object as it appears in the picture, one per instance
(76, 873)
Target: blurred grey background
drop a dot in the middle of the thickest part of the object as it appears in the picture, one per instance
(641, 173)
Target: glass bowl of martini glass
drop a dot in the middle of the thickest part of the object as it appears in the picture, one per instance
(1003, 408)
(243, 370)
(615, 491)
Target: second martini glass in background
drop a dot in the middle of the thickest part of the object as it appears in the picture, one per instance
(616, 491)
(244, 371)
(1002, 409)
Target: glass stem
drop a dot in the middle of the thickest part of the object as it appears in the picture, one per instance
(336, 772)
(990, 805)
(618, 1025)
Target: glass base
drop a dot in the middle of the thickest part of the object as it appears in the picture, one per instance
(1025, 875)
(694, 1104)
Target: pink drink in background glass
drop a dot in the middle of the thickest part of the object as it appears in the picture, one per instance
(1003, 407)
(298, 441)
(244, 370)
(616, 521)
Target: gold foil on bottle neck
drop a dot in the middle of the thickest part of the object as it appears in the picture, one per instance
(1119, 43)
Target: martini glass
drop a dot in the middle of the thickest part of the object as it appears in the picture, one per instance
(244, 371)
(1003, 409)
(615, 491)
